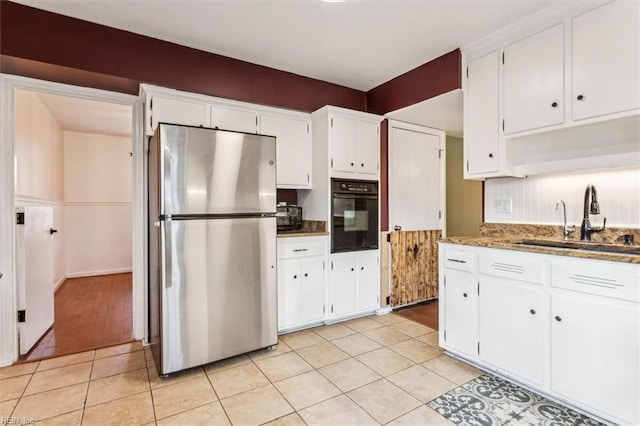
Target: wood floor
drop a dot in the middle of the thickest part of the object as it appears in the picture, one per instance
(425, 313)
(90, 313)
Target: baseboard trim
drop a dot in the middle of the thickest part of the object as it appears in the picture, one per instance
(95, 273)
(384, 311)
(58, 283)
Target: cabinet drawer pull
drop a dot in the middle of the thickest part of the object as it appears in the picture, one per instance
(298, 250)
(456, 260)
(533, 311)
(558, 318)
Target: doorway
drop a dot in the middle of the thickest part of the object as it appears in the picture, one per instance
(91, 225)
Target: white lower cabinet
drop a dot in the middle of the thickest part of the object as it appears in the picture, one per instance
(564, 326)
(511, 327)
(354, 283)
(301, 282)
(459, 295)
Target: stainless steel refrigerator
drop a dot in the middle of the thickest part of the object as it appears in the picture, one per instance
(212, 245)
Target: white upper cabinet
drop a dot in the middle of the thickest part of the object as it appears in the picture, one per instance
(606, 60)
(481, 123)
(291, 128)
(355, 144)
(343, 144)
(163, 109)
(293, 148)
(534, 81)
(238, 120)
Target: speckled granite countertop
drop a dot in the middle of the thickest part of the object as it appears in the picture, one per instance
(310, 228)
(507, 236)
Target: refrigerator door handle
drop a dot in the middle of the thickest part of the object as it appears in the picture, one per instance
(168, 277)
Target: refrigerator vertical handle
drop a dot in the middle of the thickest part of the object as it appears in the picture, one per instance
(168, 278)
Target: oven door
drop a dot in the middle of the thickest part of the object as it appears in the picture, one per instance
(354, 222)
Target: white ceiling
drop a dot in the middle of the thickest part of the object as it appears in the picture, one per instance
(357, 43)
(89, 116)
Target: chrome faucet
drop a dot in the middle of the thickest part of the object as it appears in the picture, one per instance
(590, 207)
(566, 230)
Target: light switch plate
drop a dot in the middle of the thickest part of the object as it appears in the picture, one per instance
(503, 205)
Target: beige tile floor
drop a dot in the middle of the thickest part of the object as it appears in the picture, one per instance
(373, 370)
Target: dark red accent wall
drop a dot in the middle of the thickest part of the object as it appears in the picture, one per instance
(434, 78)
(35, 43)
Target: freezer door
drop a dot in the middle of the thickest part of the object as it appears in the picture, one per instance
(219, 290)
(208, 171)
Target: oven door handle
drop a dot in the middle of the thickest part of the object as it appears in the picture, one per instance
(359, 196)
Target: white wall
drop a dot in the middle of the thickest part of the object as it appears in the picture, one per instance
(98, 203)
(534, 198)
(40, 164)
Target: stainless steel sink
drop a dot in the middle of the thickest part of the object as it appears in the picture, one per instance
(583, 245)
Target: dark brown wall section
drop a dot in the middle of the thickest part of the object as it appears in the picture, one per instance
(434, 78)
(33, 40)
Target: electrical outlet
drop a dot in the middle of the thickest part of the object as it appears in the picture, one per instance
(503, 205)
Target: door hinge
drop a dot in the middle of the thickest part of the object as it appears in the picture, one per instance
(478, 289)
(332, 265)
(478, 348)
(332, 163)
(439, 214)
(445, 335)
(308, 178)
(388, 300)
(332, 308)
(324, 309)
(22, 315)
(256, 121)
(503, 124)
(502, 58)
(467, 72)
(467, 165)
(20, 218)
(151, 104)
(445, 281)
(331, 121)
(440, 154)
(323, 265)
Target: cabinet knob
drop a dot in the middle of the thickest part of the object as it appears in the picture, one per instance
(361, 164)
(558, 318)
(362, 268)
(533, 311)
(554, 105)
(351, 164)
(464, 294)
(295, 277)
(352, 269)
(580, 97)
(491, 155)
(306, 275)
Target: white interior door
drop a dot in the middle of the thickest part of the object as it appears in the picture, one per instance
(415, 170)
(35, 274)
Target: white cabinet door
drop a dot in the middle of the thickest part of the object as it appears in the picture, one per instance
(343, 144)
(237, 120)
(342, 284)
(312, 290)
(368, 280)
(176, 111)
(414, 157)
(368, 147)
(595, 357)
(481, 117)
(534, 81)
(459, 316)
(288, 293)
(511, 327)
(606, 60)
(293, 149)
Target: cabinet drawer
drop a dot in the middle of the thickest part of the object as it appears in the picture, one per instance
(458, 259)
(293, 248)
(513, 267)
(600, 278)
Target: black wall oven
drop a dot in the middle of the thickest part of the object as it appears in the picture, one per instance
(354, 215)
